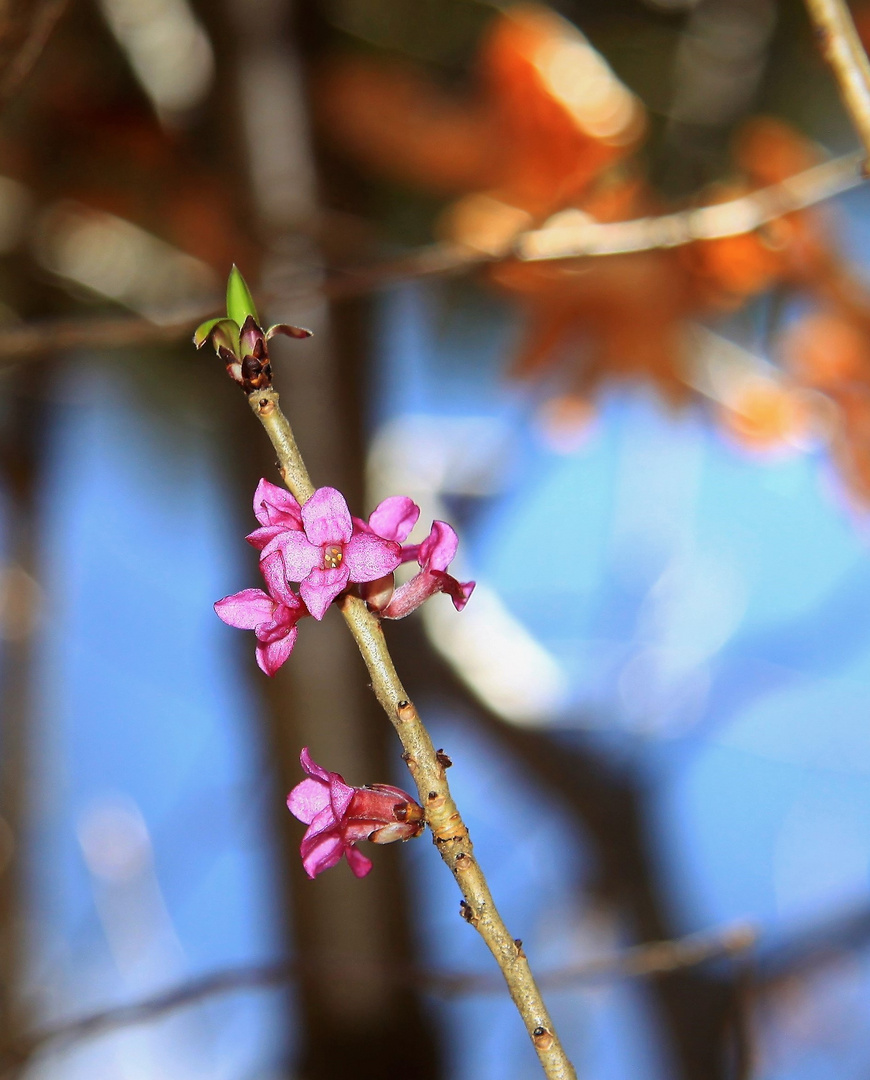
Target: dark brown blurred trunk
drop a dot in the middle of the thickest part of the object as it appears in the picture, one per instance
(349, 937)
(20, 437)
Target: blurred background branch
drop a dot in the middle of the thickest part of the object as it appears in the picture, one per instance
(638, 962)
(843, 50)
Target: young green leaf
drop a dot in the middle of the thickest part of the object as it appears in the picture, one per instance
(202, 332)
(240, 303)
(223, 333)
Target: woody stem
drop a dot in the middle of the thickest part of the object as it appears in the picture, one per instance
(448, 829)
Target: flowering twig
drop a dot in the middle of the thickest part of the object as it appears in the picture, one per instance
(428, 769)
(641, 961)
(844, 52)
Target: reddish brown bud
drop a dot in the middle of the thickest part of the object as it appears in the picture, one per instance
(467, 912)
(442, 759)
(542, 1038)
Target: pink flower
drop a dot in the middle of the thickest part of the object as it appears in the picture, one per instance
(327, 553)
(434, 556)
(272, 616)
(276, 510)
(338, 816)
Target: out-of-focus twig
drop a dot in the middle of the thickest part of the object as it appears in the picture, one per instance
(806, 951)
(45, 19)
(742, 215)
(659, 957)
(844, 52)
(25, 340)
(640, 961)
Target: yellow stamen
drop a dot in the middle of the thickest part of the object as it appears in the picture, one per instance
(332, 557)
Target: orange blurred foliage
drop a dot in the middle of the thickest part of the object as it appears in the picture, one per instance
(767, 415)
(546, 117)
(830, 352)
(549, 130)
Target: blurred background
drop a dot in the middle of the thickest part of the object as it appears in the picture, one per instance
(657, 455)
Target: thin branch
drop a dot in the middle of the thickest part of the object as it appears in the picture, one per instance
(639, 962)
(428, 769)
(844, 52)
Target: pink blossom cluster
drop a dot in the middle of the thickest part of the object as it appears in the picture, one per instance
(324, 550)
(338, 816)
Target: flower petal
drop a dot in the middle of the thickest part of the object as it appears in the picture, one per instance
(368, 557)
(340, 796)
(321, 587)
(275, 505)
(321, 852)
(327, 518)
(246, 609)
(271, 655)
(263, 536)
(300, 556)
(458, 591)
(273, 570)
(394, 518)
(323, 822)
(359, 864)
(275, 628)
(439, 547)
(313, 769)
(307, 799)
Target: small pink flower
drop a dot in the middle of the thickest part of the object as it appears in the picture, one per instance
(338, 816)
(327, 554)
(434, 556)
(272, 616)
(276, 510)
